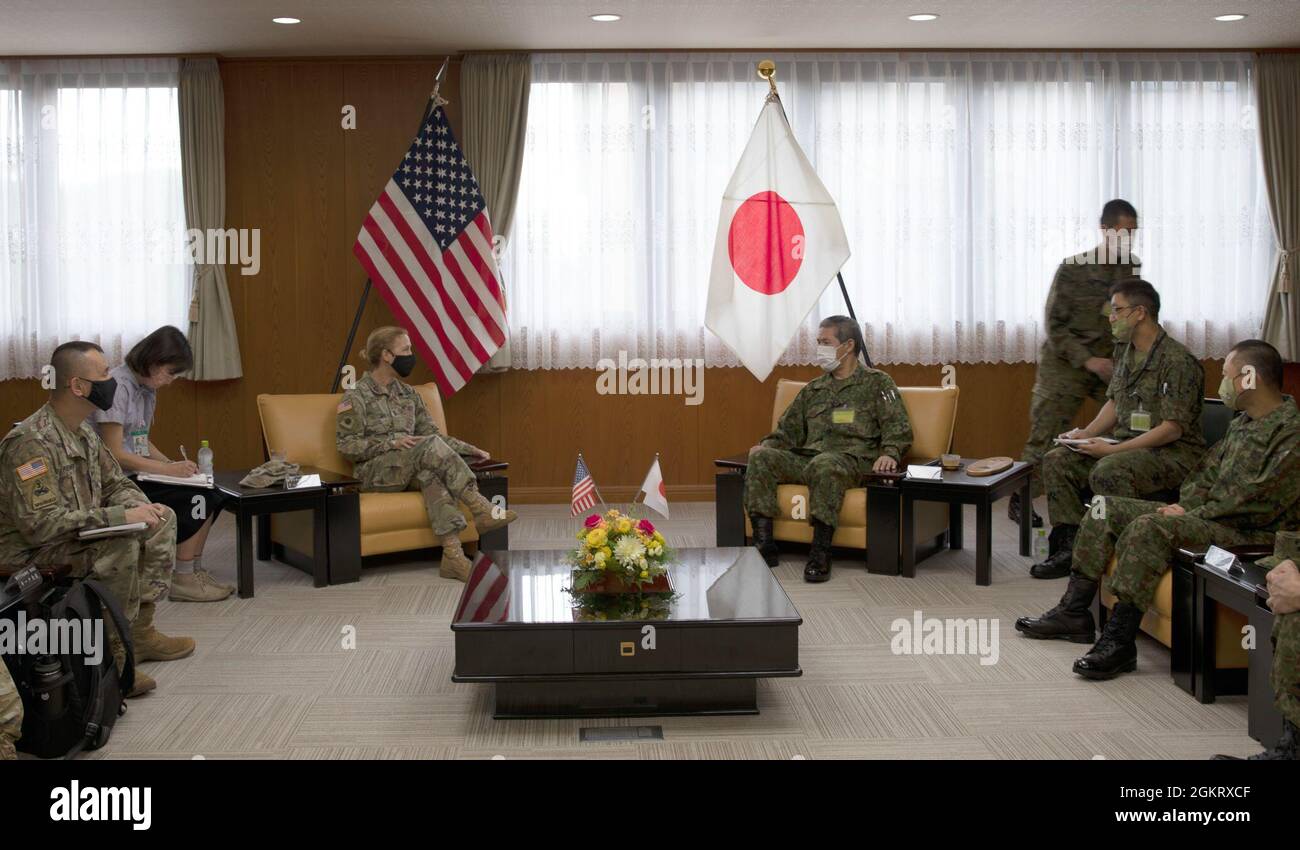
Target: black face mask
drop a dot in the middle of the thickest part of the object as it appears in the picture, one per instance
(102, 392)
(403, 364)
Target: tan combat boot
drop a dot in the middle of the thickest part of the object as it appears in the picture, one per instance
(454, 562)
(153, 645)
(144, 683)
(487, 516)
(197, 587)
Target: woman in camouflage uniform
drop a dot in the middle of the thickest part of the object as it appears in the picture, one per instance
(386, 431)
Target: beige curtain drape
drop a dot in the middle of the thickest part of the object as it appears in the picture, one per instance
(1277, 87)
(494, 116)
(203, 172)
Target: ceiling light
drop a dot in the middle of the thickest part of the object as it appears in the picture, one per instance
(606, 18)
(924, 16)
(1227, 18)
(286, 20)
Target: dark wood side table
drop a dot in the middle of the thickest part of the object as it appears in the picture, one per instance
(249, 502)
(956, 488)
(1193, 656)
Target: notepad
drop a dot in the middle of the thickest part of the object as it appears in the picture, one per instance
(934, 473)
(198, 479)
(1061, 441)
(109, 530)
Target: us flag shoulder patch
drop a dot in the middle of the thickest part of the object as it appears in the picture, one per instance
(33, 468)
(344, 406)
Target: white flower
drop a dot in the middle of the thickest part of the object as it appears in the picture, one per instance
(628, 550)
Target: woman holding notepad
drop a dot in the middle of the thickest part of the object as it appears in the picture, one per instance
(154, 362)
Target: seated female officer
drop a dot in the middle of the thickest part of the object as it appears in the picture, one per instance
(387, 432)
(846, 423)
(154, 362)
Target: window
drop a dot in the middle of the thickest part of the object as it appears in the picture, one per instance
(91, 206)
(963, 180)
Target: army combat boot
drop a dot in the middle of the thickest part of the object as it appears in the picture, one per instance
(764, 542)
(1071, 619)
(487, 516)
(1060, 545)
(153, 645)
(144, 683)
(819, 556)
(1286, 748)
(1013, 511)
(455, 564)
(1116, 652)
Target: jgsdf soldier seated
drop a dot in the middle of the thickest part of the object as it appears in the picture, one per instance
(1246, 490)
(385, 429)
(57, 478)
(840, 426)
(1154, 410)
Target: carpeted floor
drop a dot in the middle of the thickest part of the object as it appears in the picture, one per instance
(271, 679)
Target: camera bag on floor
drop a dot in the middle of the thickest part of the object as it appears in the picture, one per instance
(70, 702)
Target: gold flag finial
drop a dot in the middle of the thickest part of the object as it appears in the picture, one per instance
(767, 70)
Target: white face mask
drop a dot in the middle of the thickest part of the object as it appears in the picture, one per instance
(827, 359)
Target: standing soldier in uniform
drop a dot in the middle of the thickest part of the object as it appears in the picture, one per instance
(11, 715)
(1244, 491)
(57, 478)
(1075, 361)
(385, 429)
(839, 427)
(1153, 411)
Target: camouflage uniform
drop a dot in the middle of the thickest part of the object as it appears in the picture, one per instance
(11, 714)
(1167, 384)
(1286, 636)
(828, 438)
(1245, 490)
(1078, 327)
(370, 418)
(55, 482)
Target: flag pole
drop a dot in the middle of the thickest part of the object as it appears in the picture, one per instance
(435, 100)
(767, 70)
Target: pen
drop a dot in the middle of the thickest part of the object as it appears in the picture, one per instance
(187, 457)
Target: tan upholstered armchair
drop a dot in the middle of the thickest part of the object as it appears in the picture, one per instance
(303, 427)
(933, 413)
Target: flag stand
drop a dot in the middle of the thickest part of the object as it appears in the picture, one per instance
(434, 100)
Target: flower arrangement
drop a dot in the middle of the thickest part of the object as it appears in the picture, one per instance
(618, 552)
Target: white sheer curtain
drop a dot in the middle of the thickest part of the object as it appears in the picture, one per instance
(963, 180)
(92, 214)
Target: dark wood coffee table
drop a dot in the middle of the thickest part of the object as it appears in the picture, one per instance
(516, 628)
(957, 489)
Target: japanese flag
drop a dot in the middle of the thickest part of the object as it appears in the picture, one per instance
(653, 486)
(780, 241)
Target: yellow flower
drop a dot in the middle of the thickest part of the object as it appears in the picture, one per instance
(582, 532)
(623, 526)
(645, 574)
(659, 538)
(606, 551)
(596, 538)
(612, 514)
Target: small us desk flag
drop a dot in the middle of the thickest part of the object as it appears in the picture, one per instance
(427, 244)
(584, 489)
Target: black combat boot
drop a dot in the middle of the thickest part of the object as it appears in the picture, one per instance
(1287, 747)
(1117, 650)
(1013, 512)
(1060, 546)
(764, 542)
(1071, 619)
(819, 556)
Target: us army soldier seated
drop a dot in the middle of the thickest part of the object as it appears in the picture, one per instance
(842, 425)
(1153, 410)
(386, 431)
(57, 478)
(1244, 491)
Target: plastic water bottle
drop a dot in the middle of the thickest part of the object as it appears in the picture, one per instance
(1040, 547)
(205, 459)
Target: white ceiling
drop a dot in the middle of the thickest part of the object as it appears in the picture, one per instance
(380, 27)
